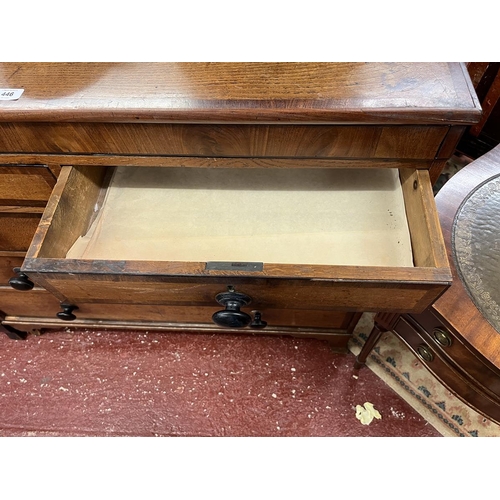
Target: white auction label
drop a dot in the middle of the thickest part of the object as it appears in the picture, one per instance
(10, 94)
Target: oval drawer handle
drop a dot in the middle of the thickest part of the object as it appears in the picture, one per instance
(231, 316)
(442, 337)
(425, 353)
(21, 281)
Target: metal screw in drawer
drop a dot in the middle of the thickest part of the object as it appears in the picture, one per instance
(442, 337)
(425, 353)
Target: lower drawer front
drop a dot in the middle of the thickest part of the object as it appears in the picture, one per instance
(39, 303)
(439, 336)
(443, 371)
(25, 185)
(17, 230)
(28, 303)
(195, 315)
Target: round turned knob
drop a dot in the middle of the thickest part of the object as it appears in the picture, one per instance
(67, 313)
(257, 320)
(442, 337)
(425, 353)
(231, 316)
(21, 281)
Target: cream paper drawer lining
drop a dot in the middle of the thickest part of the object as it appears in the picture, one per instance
(287, 216)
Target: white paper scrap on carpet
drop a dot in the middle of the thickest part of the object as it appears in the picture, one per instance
(366, 413)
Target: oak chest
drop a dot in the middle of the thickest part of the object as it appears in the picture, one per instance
(276, 198)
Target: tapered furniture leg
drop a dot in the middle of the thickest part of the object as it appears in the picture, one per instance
(370, 343)
(383, 322)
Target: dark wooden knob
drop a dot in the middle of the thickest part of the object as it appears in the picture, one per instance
(257, 320)
(67, 313)
(21, 281)
(231, 316)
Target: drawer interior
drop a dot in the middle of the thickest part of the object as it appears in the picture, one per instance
(369, 218)
(323, 238)
(289, 216)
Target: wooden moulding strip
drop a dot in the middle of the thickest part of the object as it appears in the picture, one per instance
(36, 323)
(21, 210)
(12, 253)
(151, 270)
(213, 162)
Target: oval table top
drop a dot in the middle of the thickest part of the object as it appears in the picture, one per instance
(468, 211)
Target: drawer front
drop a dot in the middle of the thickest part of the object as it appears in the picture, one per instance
(276, 293)
(7, 264)
(78, 288)
(17, 230)
(439, 336)
(446, 374)
(30, 303)
(297, 141)
(25, 185)
(202, 315)
(44, 304)
(37, 309)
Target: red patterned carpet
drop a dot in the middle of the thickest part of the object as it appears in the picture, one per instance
(92, 383)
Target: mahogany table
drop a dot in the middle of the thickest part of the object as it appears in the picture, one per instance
(458, 337)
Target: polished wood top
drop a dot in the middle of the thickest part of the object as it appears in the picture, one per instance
(455, 305)
(419, 93)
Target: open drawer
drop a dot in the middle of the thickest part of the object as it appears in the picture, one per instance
(315, 239)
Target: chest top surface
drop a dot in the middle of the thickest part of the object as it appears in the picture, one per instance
(364, 93)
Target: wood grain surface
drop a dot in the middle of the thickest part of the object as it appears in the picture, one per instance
(25, 185)
(239, 141)
(7, 264)
(17, 230)
(42, 303)
(241, 92)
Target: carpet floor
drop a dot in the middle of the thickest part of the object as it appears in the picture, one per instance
(98, 383)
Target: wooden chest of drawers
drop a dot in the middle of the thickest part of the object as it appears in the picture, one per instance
(291, 196)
